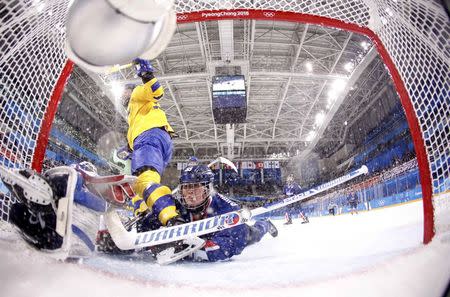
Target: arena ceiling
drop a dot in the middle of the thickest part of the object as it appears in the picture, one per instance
(307, 87)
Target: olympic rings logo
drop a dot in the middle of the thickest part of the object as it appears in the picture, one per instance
(182, 17)
(269, 14)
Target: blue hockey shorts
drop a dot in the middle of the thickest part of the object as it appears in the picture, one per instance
(151, 149)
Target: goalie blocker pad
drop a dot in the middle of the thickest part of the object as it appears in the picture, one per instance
(77, 220)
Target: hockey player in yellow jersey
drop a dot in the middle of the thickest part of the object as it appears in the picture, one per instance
(149, 139)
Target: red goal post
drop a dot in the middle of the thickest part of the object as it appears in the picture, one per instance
(411, 38)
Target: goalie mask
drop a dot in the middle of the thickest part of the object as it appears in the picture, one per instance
(87, 167)
(195, 187)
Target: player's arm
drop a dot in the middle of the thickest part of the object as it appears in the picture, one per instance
(152, 89)
(227, 243)
(224, 244)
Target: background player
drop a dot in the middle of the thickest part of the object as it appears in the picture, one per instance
(291, 187)
(353, 203)
(287, 218)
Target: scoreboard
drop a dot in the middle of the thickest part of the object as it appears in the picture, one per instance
(229, 99)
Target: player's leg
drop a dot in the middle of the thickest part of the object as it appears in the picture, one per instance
(151, 153)
(259, 229)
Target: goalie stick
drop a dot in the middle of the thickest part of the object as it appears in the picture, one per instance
(127, 240)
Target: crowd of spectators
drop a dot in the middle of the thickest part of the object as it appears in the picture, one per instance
(75, 133)
(67, 155)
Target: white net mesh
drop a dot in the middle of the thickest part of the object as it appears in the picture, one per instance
(423, 60)
(414, 33)
(31, 43)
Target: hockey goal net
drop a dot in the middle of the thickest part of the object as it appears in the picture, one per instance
(412, 37)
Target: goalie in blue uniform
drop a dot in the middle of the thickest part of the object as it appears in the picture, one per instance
(197, 200)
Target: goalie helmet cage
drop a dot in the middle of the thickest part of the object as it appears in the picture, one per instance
(410, 36)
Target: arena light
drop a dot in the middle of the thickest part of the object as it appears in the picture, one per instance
(311, 136)
(338, 85)
(365, 45)
(116, 89)
(39, 5)
(319, 118)
(349, 67)
(309, 66)
(332, 95)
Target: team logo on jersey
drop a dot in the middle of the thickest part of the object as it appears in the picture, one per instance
(232, 219)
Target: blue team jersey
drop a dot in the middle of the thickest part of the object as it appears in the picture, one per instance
(224, 244)
(291, 189)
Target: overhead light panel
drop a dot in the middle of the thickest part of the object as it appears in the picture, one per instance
(349, 67)
(319, 118)
(311, 136)
(116, 89)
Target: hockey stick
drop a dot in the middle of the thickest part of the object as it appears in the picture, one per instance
(218, 160)
(130, 240)
(117, 68)
(225, 161)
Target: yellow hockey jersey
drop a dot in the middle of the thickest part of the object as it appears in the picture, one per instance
(144, 111)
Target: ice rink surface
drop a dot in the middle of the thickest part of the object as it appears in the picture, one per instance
(375, 253)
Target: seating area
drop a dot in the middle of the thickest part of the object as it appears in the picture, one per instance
(388, 143)
(398, 184)
(63, 149)
(389, 154)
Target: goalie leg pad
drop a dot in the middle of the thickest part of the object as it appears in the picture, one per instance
(29, 188)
